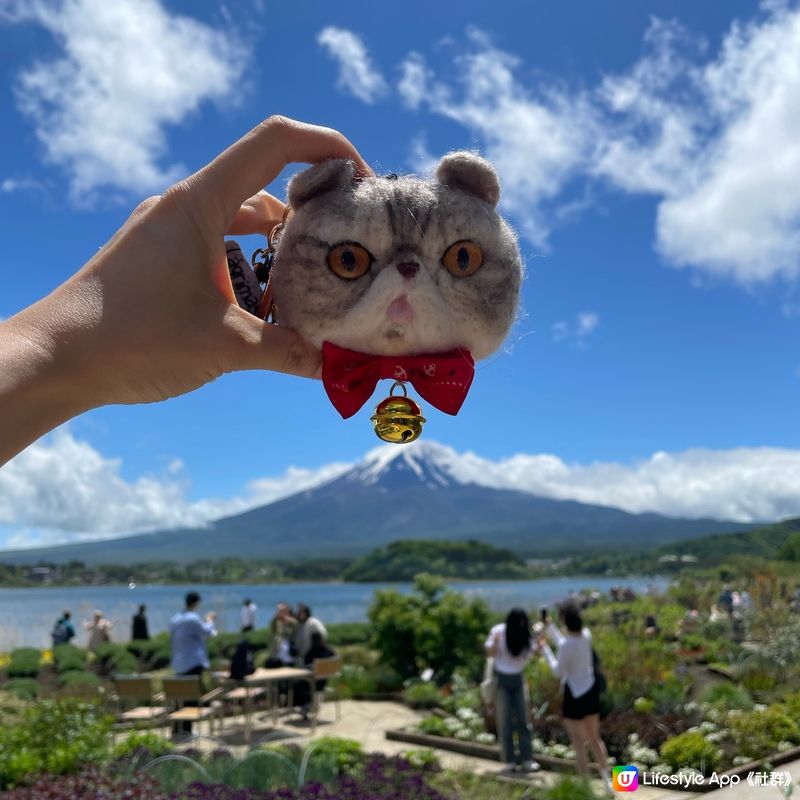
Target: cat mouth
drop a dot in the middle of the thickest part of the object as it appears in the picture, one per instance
(400, 311)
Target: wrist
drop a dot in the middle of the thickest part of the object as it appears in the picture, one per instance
(41, 381)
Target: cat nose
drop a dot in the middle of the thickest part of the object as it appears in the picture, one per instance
(408, 269)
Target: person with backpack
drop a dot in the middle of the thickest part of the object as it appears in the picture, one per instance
(63, 630)
(582, 681)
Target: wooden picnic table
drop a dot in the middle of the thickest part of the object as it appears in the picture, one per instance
(268, 679)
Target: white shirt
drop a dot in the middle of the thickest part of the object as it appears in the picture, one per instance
(249, 615)
(574, 665)
(302, 636)
(504, 661)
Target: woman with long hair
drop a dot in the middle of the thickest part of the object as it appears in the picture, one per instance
(511, 646)
(575, 666)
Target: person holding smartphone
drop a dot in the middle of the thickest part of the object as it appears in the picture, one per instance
(511, 645)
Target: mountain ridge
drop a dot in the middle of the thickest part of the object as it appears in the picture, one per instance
(416, 491)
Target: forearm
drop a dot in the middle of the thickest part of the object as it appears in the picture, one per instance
(40, 383)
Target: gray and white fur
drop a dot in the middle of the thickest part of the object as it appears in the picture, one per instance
(407, 302)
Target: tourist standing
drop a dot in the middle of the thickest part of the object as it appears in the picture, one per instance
(63, 630)
(188, 634)
(283, 627)
(575, 666)
(510, 644)
(139, 631)
(307, 626)
(248, 615)
(99, 630)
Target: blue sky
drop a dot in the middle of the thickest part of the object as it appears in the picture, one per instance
(648, 155)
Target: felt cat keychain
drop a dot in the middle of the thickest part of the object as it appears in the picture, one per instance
(398, 278)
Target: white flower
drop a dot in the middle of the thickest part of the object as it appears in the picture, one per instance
(486, 738)
(466, 715)
(739, 760)
(664, 769)
(782, 746)
(707, 727)
(452, 724)
(759, 707)
(464, 734)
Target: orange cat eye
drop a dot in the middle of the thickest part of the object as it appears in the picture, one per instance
(349, 260)
(463, 258)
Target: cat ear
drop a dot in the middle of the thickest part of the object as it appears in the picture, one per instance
(469, 172)
(321, 178)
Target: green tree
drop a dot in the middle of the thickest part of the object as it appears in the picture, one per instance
(790, 550)
(432, 627)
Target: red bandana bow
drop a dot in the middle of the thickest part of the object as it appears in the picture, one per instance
(350, 378)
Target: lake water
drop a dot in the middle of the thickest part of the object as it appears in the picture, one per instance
(27, 615)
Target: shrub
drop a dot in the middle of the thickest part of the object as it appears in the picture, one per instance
(644, 705)
(56, 737)
(667, 695)
(727, 696)
(116, 659)
(429, 628)
(25, 663)
(24, 688)
(12, 708)
(569, 788)
(75, 677)
(422, 695)
(346, 754)
(344, 633)
(68, 657)
(758, 733)
(690, 749)
(355, 680)
(425, 760)
(151, 743)
(434, 726)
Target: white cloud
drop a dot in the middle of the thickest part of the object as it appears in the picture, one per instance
(743, 484)
(11, 185)
(579, 330)
(415, 78)
(357, 74)
(129, 69)
(62, 489)
(537, 137)
(717, 141)
(711, 135)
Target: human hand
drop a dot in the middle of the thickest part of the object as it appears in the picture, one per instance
(153, 314)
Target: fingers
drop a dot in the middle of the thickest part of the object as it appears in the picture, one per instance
(259, 214)
(258, 345)
(256, 159)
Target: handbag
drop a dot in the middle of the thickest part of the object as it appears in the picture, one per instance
(606, 703)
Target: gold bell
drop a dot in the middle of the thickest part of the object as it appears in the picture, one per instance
(398, 419)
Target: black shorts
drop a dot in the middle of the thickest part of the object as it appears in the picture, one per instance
(579, 707)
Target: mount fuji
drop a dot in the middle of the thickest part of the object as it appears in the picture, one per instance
(423, 490)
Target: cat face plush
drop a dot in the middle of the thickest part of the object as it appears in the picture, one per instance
(398, 267)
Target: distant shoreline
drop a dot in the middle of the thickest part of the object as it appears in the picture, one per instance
(333, 582)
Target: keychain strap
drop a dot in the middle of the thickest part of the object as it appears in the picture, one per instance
(262, 262)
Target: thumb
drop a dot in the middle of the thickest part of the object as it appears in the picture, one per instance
(255, 344)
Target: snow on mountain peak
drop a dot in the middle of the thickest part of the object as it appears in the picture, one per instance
(430, 463)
